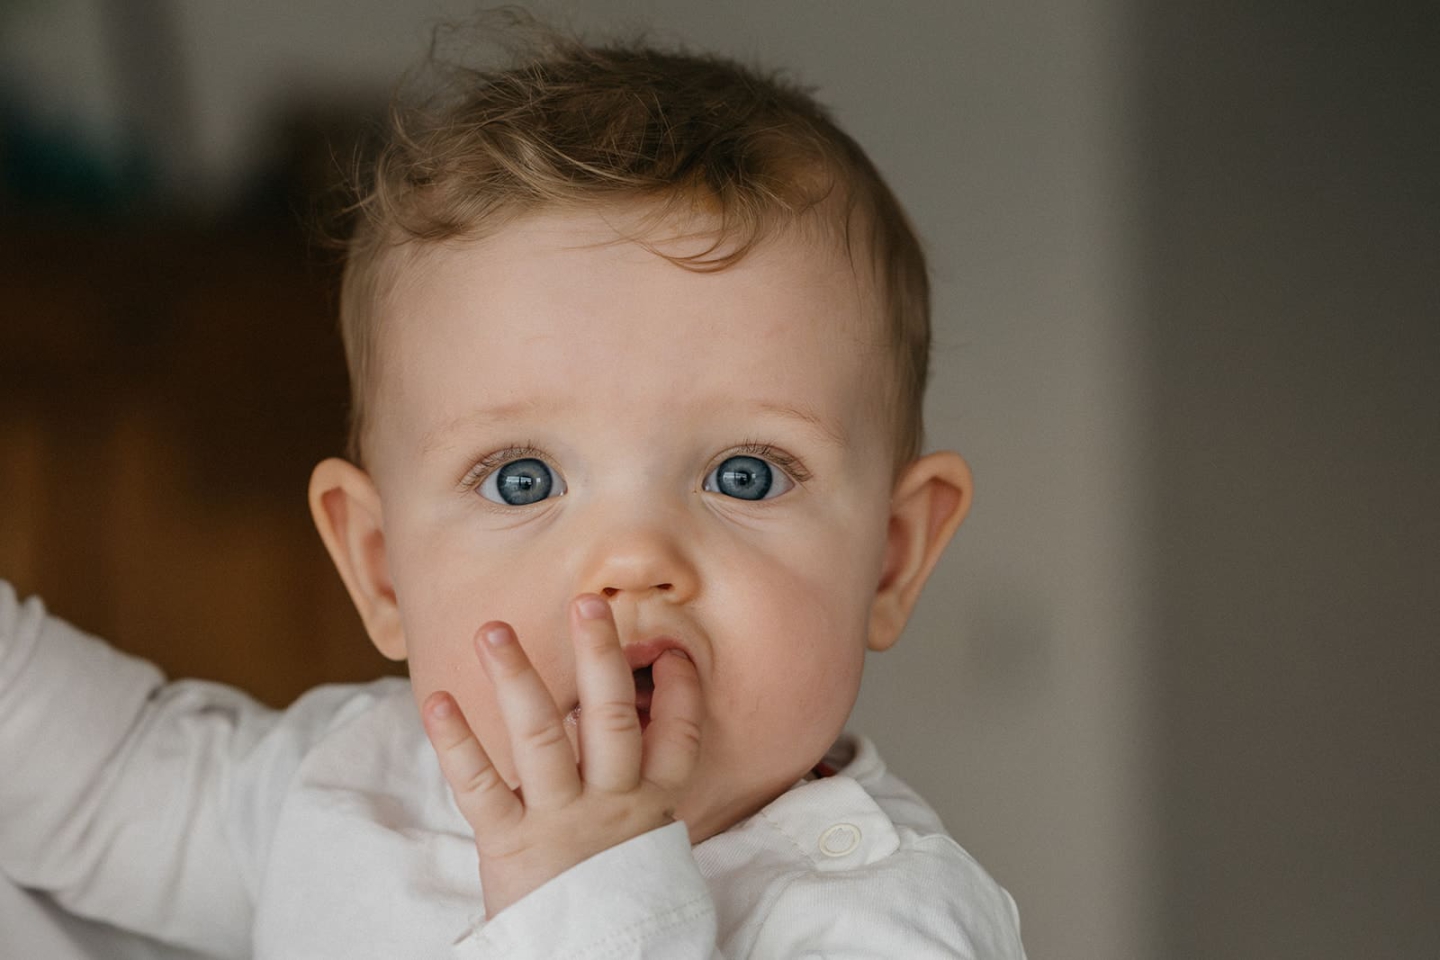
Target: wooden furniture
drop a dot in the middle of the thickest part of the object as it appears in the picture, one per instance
(163, 395)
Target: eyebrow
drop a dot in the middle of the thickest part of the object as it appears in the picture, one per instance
(475, 419)
(821, 428)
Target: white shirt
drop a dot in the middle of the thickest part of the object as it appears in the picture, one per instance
(190, 814)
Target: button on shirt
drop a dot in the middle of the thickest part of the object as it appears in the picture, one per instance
(191, 815)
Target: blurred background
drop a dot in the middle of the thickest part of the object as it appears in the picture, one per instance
(1175, 685)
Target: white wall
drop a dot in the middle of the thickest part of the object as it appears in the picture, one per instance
(1014, 703)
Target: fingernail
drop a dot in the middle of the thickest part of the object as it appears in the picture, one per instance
(442, 708)
(592, 607)
(496, 636)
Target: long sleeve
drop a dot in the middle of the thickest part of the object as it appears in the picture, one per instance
(643, 899)
(128, 800)
(111, 802)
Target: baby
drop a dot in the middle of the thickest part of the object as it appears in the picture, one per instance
(638, 343)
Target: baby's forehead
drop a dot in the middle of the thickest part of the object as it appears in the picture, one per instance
(578, 313)
(811, 257)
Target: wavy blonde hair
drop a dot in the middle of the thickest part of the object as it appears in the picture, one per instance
(567, 124)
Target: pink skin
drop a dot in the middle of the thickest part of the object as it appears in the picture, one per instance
(632, 379)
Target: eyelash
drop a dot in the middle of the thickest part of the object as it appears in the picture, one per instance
(491, 462)
(792, 465)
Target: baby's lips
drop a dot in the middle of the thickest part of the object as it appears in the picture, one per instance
(644, 659)
(640, 655)
(644, 653)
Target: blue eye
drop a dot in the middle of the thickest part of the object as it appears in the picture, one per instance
(747, 478)
(522, 482)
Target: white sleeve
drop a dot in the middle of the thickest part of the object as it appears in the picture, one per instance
(643, 899)
(139, 803)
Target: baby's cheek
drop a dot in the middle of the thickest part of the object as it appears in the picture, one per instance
(813, 645)
(829, 593)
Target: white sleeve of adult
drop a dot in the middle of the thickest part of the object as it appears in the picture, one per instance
(128, 800)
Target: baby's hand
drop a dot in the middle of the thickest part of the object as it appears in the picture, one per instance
(562, 813)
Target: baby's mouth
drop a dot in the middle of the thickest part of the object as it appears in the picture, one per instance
(641, 657)
(644, 691)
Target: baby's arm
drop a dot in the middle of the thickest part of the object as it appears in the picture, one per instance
(113, 790)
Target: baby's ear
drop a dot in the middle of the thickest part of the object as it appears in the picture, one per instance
(930, 499)
(346, 508)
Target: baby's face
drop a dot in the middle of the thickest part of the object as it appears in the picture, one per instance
(560, 413)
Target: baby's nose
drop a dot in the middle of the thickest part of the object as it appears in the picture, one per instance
(648, 560)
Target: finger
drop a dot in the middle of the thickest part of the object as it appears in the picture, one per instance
(483, 796)
(610, 744)
(544, 759)
(677, 713)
